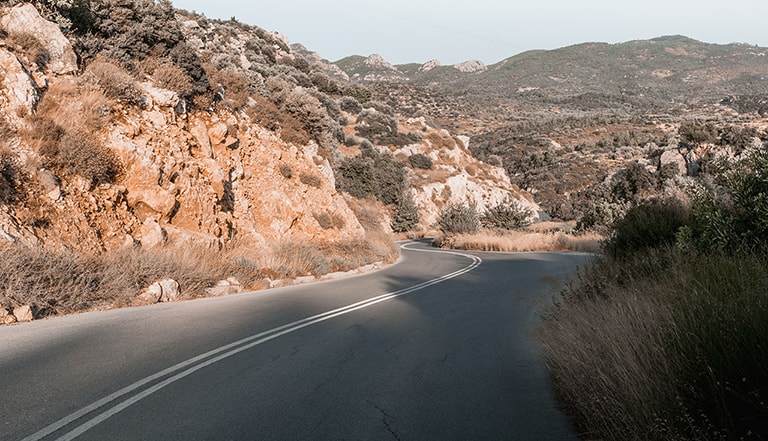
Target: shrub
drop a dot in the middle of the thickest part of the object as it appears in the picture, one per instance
(652, 224)
(31, 47)
(231, 88)
(731, 212)
(507, 215)
(694, 132)
(328, 220)
(76, 154)
(172, 77)
(310, 179)
(459, 219)
(350, 105)
(420, 160)
(11, 178)
(405, 214)
(360, 93)
(372, 173)
(286, 171)
(115, 81)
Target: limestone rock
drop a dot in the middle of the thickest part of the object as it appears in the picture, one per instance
(21, 93)
(152, 198)
(24, 18)
(159, 96)
(471, 66)
(225, 287)
(152, 234)
(167, 290)
(674, 158)
(23, 313)
(429, 65)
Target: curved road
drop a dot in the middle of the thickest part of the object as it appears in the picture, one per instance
(437, 347)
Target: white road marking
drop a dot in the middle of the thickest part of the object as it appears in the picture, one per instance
(203, 360)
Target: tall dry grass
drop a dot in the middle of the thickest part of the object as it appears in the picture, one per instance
(521, 241)
(664, 346)
(62, 282)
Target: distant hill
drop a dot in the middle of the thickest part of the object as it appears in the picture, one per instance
(643, 74)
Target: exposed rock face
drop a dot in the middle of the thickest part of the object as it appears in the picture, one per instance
(471, 66)
(24, 18)
(376, 60)
(205, 177)
(19, 94)
(456, 176)
(429, 65)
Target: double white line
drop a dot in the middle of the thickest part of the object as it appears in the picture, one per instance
(201, 361)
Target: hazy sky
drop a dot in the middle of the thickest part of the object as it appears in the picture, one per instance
(406, 31)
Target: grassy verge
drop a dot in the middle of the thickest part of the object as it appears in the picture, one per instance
(55, 282)
(519, 241)
(664, 345)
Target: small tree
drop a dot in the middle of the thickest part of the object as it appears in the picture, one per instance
(405, 215)
(459, 219)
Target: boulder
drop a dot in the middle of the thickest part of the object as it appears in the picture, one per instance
(153, 198)
(225, 287)
(159, 96)
(152, 234)
(24, 18)
(21, 93)
(23, 313)
(167, 290)
(673, 157)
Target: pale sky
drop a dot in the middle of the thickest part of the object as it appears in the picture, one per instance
(416, 31)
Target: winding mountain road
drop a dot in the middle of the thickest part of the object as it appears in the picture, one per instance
(437, 347)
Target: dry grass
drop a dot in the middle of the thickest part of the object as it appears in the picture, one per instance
(521, 241)
(664, 346)
(61, 282)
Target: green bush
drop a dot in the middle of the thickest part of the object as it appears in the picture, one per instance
(731, 212)
(459, 219)
(350, 105)
(372, 173)
(405, 215)
(420, 160)
(507, 215)
(649, 225)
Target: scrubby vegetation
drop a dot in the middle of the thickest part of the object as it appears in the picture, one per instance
(60, 282)
(376, 173)
(664, 338)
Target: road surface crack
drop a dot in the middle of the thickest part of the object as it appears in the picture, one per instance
(385, 418)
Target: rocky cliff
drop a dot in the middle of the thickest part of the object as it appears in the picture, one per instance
(211, 176)
(218, 133)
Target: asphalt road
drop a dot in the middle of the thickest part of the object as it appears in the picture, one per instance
(444, 351)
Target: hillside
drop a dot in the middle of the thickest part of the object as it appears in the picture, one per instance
(132, 126)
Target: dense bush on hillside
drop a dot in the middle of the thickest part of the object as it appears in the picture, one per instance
(378, 174)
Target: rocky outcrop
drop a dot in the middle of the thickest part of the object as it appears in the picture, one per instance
(19, 93)
(25, 19)
(429, 65)
(456, 176)
(167, 290)
(471, 66)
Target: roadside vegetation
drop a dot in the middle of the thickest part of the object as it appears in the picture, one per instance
(507, 227)
(59, 282)
(664, 338)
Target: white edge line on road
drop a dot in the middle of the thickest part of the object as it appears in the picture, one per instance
(240, 346)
